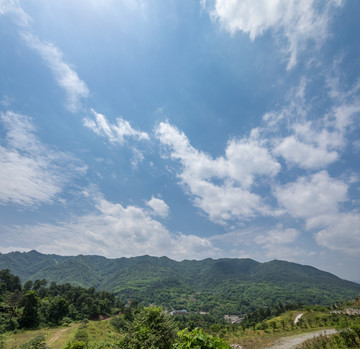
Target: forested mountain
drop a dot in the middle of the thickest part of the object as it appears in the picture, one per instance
(223, 285)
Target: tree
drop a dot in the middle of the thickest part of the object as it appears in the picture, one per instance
(59, 308)
(11, 308)
(151, 329)
(30, 317)
(28, 286)
(9, 282)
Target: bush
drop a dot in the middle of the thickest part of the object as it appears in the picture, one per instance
(76, 345)
(197, 338)
(36, 343)
(151, 329)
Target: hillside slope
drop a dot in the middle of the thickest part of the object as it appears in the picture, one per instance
(224, 285)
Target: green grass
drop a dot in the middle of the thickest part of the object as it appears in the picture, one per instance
(19, 338)
(102, 334)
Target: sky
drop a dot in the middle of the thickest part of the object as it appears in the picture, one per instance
(187, 129)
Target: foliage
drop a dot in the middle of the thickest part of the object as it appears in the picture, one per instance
(262, 313)
(38, 305)
(198, 339)
(30, 316)
(36, 343)
(9, 282)
(76, 345)
(223, 286)
(150, 329)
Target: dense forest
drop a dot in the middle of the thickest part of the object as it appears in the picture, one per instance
(220, 287)
(36, 303)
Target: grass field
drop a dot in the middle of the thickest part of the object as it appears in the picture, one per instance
(55, 337)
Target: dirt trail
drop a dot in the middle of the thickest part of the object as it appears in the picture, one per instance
(293, 341)
(58, 334)
(298, 318)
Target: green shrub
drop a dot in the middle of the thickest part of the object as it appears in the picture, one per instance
(76, 345)
(198, 339)
(36, 343)
(151, 329)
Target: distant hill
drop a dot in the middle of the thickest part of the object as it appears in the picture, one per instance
(228, 286)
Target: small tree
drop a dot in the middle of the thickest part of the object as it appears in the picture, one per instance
(151, 329)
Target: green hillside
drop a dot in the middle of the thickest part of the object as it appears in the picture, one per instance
(221, 286)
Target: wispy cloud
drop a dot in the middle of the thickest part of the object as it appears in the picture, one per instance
(111, 230)
(307, 142)
(65, 75)
(13, 9)
(300, 22)
(232, 199)
(31, 173)
(114, 133)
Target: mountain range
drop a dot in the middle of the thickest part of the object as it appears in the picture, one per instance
(225, 285)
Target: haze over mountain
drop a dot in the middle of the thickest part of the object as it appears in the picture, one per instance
(236, 285)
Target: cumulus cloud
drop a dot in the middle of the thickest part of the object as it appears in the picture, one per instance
(305, 155)
(111, 230)
(158, 207)
(30, 172)
(299, 22)
(312, 196)
(244, 160)
(65, 75)
(318, 200)
(341, 232)
(115, 133)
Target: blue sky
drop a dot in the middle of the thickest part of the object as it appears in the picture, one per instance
(190, 129)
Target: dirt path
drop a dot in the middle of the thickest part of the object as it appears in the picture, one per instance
(58, 334)
(293, 341)
(298, 318)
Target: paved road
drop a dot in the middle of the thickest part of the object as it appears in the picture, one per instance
(293, 341)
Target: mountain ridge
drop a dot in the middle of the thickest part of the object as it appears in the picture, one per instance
(227, 284)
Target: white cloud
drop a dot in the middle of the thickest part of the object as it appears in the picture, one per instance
(137, 158)
(310, 143)
(300, 22)
(115, 133)
(277, 237)
(65, 75)
(111, 230)
(318, 200)
(244, 160)
(305, 155)
(159, 207)
(276, 243)
(341, 233)
(13, 9)
(312, 197)
(30, 172)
